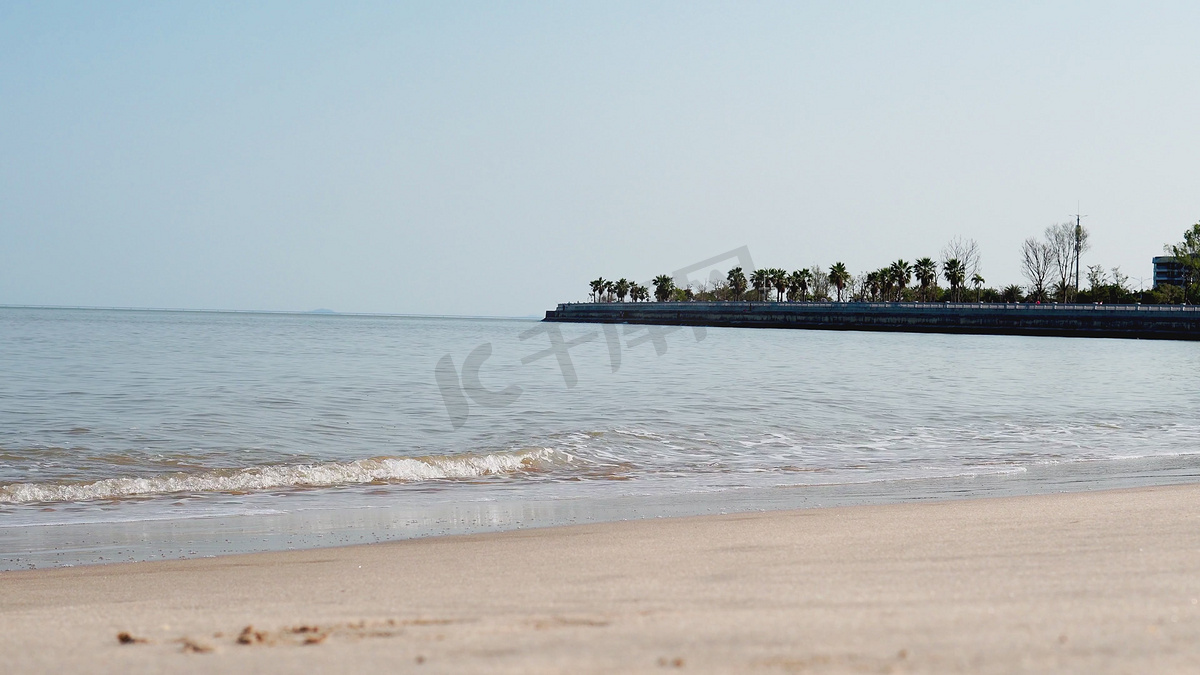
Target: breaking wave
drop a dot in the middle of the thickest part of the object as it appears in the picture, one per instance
(326, 474)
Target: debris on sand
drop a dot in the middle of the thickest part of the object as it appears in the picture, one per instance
(128, 639)
(193, 647)
(249, 636)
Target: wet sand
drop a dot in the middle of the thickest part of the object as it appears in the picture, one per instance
(1087, 582)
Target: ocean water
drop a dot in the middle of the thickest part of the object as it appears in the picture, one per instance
(134, 435)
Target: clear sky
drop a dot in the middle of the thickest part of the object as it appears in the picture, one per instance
(491, 158)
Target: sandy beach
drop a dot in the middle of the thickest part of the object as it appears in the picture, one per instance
(1088, 582)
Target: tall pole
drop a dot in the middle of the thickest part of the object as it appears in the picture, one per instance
(1078, 246)
(1079, 237)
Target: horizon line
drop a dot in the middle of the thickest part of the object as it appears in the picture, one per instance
(309, 312)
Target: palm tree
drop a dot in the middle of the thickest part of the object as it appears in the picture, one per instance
(839, 277)
(901, 273)
(886, 281)
(926, 272)
(779, 278)
(664, 285)
(737, 282)
(977, 281)
(954, 272)
(760, 279)
(806, 277)
(639, 293)
(1012, 293)
(609, 287)
(622, 288)
(793, 287)
(797, 283)
(597, 287)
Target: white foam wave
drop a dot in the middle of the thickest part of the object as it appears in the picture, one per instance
(329, 474)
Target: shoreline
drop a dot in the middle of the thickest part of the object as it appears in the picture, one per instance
(1103, 581)
(1155, 322)
(394, 516)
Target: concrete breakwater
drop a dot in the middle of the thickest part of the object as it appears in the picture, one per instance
(1165, 322)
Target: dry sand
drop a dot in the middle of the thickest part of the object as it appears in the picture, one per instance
(1092, 582)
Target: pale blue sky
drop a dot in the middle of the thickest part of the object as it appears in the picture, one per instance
(489, 158)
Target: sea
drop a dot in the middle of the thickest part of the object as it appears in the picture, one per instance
(132, 435)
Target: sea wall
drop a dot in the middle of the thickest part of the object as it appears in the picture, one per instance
(1168, 322)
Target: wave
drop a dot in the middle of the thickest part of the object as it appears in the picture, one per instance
(319, 475)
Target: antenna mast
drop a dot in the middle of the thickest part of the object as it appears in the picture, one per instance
(1078, 244)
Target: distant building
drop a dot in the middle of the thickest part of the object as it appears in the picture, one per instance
(1167, 270)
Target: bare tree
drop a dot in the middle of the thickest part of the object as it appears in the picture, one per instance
(1120, 280)
(820, 283)
(1035, 265)
(1096, 277)
(1066, 241)
(719, 290)
(966, 251)
(856, 289)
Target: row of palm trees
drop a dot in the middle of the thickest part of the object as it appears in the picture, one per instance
(885, 284)
(791, 286)
(604, 290)
(889, 282)
(787, 286)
